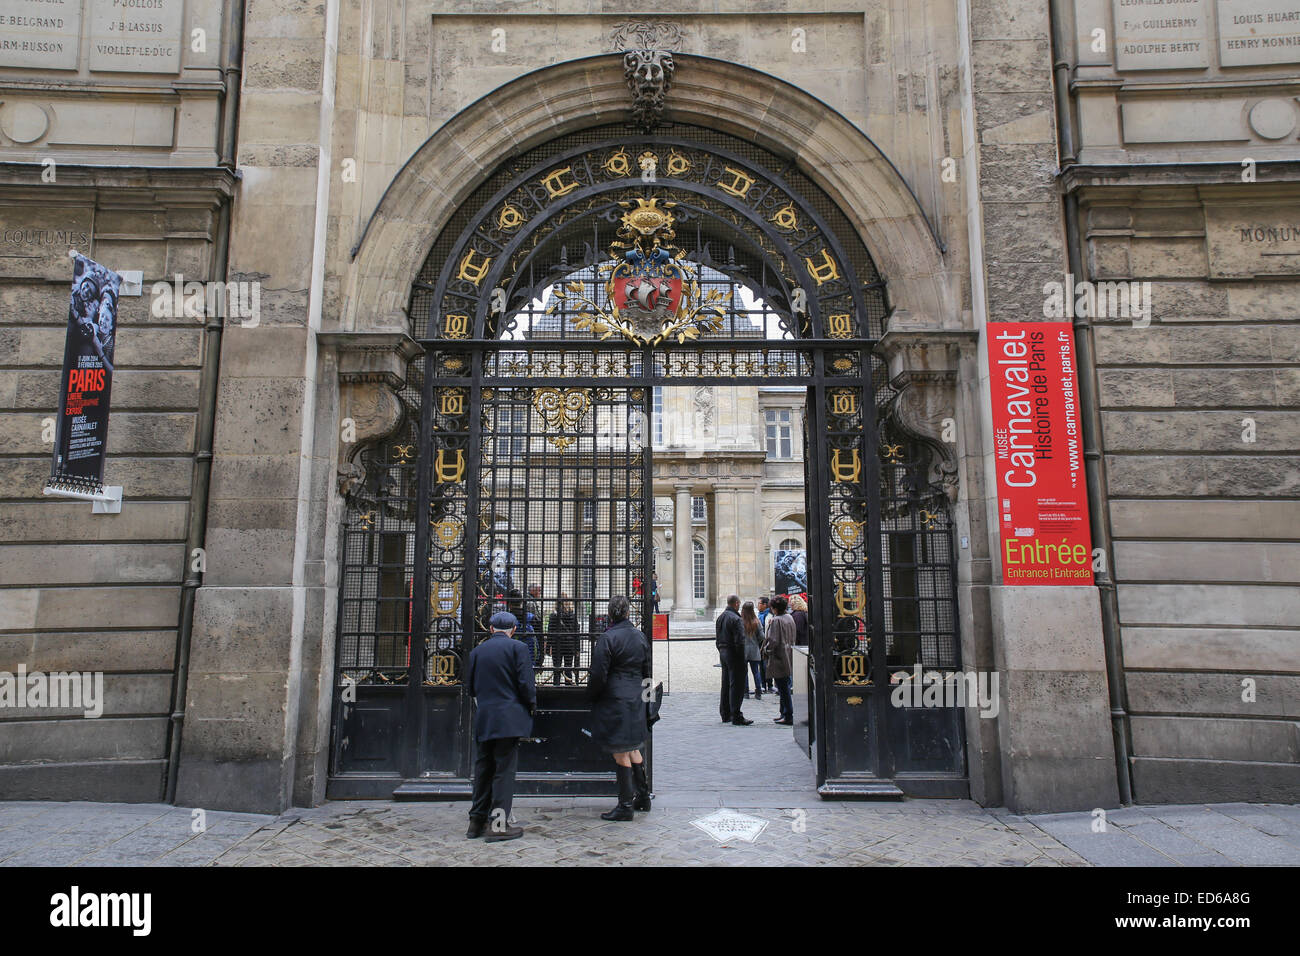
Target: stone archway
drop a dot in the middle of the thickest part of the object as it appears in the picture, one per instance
(374, 328)
(734, 99)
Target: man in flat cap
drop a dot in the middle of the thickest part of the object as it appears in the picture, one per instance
(501, 683)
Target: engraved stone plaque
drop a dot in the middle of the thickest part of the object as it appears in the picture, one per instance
(1259, 32)
(1161, 34)
(1256, 240)
(136, 36)
(726, 825)
(34, 240)
(41, 34)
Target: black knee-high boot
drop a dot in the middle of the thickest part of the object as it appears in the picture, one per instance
(626, 794)
(642, 799)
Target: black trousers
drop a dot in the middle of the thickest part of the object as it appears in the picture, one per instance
(564, 657)
(734, 680)
(495, 762)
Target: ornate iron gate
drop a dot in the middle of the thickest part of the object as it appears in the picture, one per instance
(581, 275)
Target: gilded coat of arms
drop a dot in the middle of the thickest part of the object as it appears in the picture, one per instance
(651, 296)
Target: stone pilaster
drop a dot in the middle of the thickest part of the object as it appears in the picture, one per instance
(683, 606)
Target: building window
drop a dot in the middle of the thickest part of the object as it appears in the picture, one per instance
(697, 569)
(587, 579)
(512, 431)
(790, 544)
(657, 414)
(698, 512)
(780, 433)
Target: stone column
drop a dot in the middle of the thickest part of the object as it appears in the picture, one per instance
(726, 553)
(683, 590)
(758, 545)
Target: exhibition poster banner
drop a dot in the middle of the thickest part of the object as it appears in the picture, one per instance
(1038, 450)
(81, 435)
(791, 569)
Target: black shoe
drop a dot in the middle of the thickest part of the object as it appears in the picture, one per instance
(741, 721)
(726, 719)
(509, 833)
(788, 722)
(476, 827)
(758, 696)
(642, 799)
(626, 794)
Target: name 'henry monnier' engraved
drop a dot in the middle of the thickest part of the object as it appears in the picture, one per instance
(1259, 32)
(1161, 34)
(136, 36)
(40, 34)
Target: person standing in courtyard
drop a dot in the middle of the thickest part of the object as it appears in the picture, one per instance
(780, 663)
(753, 648)
(528, 623)
(730, 634)
(500, 679)
(620, 672)
(562, 632)
(799, 612)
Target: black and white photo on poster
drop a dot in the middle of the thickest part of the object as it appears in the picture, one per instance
(791, 571)
(81, 435)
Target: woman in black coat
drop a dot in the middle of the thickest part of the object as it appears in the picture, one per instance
(620, 671)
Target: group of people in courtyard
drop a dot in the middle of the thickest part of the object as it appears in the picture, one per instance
(757, 640)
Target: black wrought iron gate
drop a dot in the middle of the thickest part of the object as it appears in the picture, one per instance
(579, 277)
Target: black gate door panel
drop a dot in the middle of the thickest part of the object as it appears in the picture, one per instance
(370, 730)
(562, 476)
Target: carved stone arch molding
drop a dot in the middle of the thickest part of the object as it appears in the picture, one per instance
(548, 103)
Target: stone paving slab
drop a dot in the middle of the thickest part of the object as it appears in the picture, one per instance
(34, 833)
(1237, 834)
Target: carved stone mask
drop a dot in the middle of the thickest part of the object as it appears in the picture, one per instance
(649, 75)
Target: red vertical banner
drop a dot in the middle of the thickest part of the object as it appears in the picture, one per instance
(1038, 449)
(660, 631)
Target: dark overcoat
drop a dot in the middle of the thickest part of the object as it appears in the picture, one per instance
(562, 632)
(500, 680)
(620, 665)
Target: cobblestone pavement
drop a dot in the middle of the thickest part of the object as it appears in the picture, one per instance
(569, 833)
(702, 766)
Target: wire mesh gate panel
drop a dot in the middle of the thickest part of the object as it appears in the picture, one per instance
(568, 288)
(563, 499)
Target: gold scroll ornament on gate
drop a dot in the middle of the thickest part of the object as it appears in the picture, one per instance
(561, 410)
